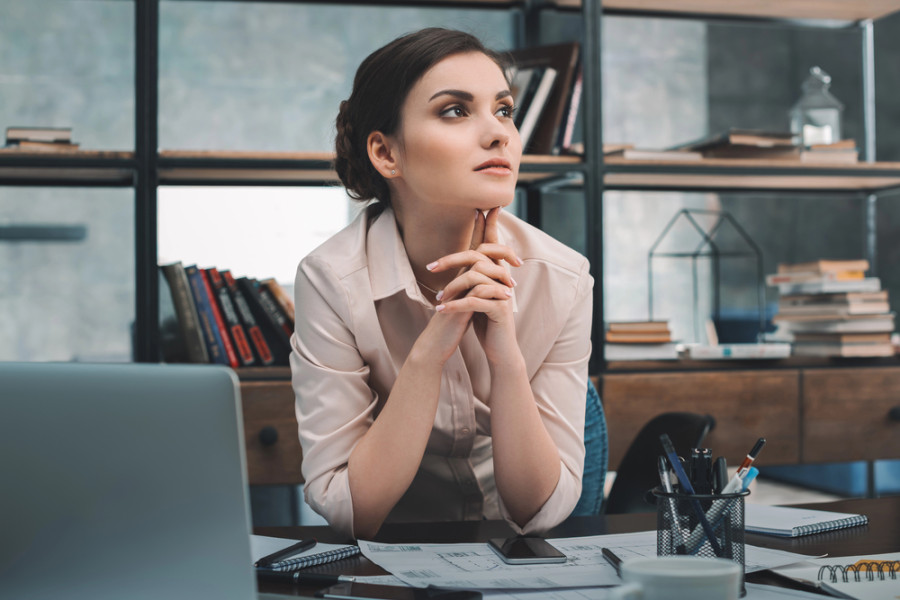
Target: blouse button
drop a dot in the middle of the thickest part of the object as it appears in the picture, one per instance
(465, 431)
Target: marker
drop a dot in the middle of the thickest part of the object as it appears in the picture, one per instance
(612, 559)
(301, 546)
(737, 481)
(752, 472)
(688, 488)
(300, 578)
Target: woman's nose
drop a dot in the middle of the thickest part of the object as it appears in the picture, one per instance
(495, 133)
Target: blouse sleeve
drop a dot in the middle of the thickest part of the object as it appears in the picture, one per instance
(334, 403)
(560, 390)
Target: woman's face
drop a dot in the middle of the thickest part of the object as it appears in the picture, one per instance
(458, 144)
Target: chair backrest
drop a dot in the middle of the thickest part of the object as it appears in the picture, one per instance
(596, 446)
(638, 473)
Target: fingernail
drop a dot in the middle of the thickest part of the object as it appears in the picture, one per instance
(439, 295)
(440, 307)
(518, 262)
(513, 280)
(508, 292)
(430, 266)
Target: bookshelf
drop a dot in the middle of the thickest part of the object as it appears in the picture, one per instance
(145, 168)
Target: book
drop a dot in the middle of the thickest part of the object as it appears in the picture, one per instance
(769, 350)
(863, 577)
(786, 521)
(571, 116)
(839, 349)
(846, 324)
(34, 146)
(638, 326)
(666, 351)
(232, 322)
(38, 134)
(221, 326)
(211, 336)
(840, 299)
(813, 277)
(638, 337)
(833, 310)
(319, 554)
(658, 155)
(284, 300)
(740, 137)
(276, 338)
(868, 284)
(843, 338)
(562, 58)
(257, 339)
(171, 342)
(825, 266)
(270, 303)
(186, 311)
(536, 104)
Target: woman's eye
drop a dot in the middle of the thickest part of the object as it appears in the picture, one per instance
(507, 110)
(454, 111)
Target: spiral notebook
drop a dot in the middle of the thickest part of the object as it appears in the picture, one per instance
(793, 522)
(261, 545)
(860, 577)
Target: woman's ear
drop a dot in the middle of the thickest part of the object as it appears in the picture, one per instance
(381, 151)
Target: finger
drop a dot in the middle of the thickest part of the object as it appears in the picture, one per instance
(462, 285)
(492, 227)
(484, 299)
(472, 260)
(478, 232)
(498, 252)
(492, 253)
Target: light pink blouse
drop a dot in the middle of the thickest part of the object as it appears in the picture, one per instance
(359, 311)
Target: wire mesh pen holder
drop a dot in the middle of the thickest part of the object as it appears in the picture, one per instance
(680, 529)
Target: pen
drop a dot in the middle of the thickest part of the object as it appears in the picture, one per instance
(301, 578)
(670, 502)
(701, 470)
(688, 488)
(291, 550)
(612, 559)
(737, 481)
(720, 470)
(752, 472)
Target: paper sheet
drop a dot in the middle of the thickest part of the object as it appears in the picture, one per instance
(475, 566)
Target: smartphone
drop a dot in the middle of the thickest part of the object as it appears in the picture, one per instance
(351, 590)
(526, 550)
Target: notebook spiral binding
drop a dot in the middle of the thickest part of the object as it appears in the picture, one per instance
(862, 571)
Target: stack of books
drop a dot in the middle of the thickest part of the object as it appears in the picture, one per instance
(832, 309)
(639, 340)
(210, 316)
(40, 139)
(770, 145)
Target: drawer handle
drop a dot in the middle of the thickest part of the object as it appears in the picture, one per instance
(268, 435)
(894, 414)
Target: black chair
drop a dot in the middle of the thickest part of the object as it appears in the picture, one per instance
(638, 472)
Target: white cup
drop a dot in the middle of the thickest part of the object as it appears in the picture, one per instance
(679, 578)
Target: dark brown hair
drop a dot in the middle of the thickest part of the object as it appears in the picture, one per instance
(380, 87)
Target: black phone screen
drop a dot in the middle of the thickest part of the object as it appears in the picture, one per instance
(526, 550)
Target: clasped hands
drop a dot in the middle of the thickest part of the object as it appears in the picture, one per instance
(482, 289)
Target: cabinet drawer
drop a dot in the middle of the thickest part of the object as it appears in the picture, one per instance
(270, 433)
(847, 414)
(746, 405)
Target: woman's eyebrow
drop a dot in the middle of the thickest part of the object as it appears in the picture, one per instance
(468, 97)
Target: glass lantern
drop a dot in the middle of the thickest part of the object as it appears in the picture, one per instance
(816, 117)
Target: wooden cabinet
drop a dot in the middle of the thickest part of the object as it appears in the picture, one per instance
(850, 414)
(746, 405)
(270, 433)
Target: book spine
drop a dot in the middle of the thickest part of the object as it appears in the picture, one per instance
(224, 336)
(233, 323)
(270, 303)
(279, 340)
(186, 311)
(284, 300)
(207, 321)
(254, 332)
(316, 559)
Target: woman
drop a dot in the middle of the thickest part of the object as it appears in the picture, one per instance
(440, 355)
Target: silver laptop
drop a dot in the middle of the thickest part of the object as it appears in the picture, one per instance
(122, 481)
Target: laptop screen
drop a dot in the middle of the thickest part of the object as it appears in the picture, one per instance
(122, 481)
